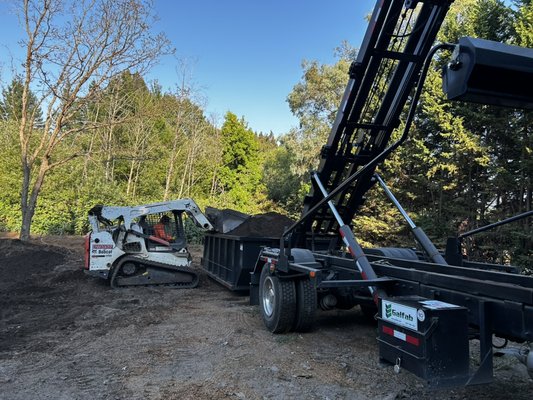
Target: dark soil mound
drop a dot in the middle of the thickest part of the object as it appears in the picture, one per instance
(263, 225)
(36, 297)
(22, 261)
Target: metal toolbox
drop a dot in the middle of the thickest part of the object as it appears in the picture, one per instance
(426, 337)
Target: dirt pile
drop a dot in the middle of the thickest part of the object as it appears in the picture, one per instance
(23, 261)
(263, 225)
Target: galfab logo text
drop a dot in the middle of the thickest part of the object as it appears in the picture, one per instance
(399, 314)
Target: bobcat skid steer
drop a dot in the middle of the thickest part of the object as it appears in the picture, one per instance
(143, 245)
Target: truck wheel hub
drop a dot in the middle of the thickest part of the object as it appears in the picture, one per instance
(268, 296)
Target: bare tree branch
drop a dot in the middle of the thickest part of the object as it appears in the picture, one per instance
(74, 49)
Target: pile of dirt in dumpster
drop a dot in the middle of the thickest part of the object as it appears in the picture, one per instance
(270, 224)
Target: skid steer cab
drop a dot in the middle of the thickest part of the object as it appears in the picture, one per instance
(143, 245)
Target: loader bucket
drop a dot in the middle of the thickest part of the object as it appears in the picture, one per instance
(225, 220)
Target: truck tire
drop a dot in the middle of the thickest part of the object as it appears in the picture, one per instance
(306, 305)
(277, 301)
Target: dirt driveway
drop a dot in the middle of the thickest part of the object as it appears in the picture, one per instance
(64, 335)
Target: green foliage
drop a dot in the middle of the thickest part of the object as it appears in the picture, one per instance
(317, 96)
(523, 25)
(11, 103)
(487, 19)
(282, 182)
(193, 234)
(240, 173)
(10, 177)
(379, 224)
(147, 146)
(474, 157)
(443, 157)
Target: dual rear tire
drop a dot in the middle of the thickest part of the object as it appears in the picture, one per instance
(286, 304)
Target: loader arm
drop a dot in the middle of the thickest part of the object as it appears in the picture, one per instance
(128, 214)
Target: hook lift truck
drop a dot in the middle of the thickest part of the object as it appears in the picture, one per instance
(430, 306)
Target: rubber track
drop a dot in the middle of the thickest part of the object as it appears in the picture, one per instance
(173, 268)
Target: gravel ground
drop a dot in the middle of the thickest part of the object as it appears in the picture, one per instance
(64, 335)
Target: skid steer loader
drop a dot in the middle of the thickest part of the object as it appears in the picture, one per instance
(142, 245)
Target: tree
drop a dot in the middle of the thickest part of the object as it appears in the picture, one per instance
(11, 102)
(524, 25)
(470, 162)
(9, 176)
(240, 173)
(285, 186)
(72, 51)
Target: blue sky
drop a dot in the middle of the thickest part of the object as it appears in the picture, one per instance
(242, 55)
(245, 56)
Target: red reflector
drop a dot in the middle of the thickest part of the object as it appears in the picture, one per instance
(412, 340)
(388, 331)
(402, 336)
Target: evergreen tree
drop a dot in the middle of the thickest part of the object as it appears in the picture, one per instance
(478, 170)
(11, 103)
(240, 173)
(523, 24)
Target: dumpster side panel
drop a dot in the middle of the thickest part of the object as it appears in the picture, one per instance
(230, 259)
